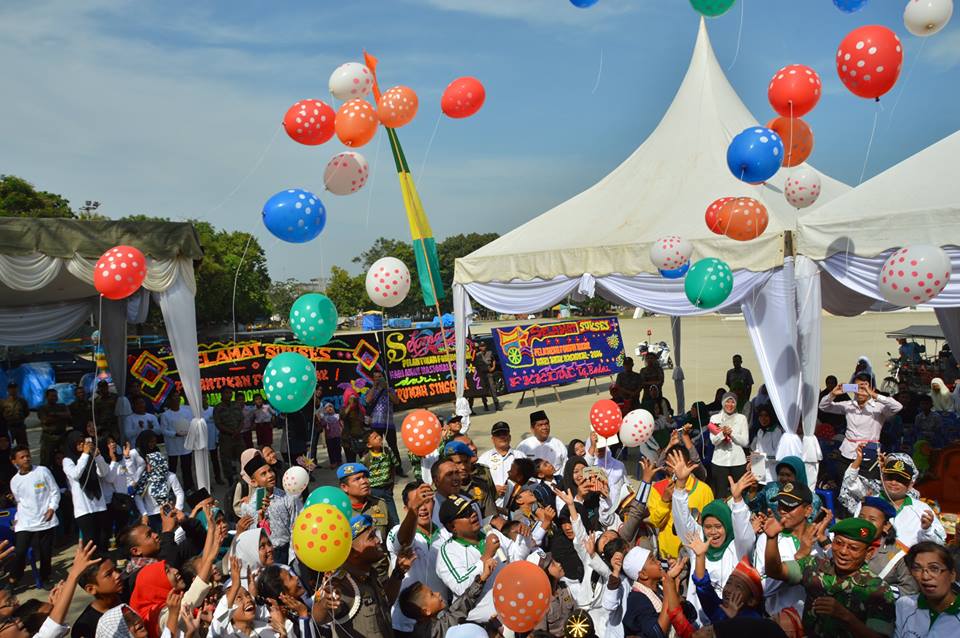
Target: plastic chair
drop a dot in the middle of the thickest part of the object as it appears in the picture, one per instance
(7, 534)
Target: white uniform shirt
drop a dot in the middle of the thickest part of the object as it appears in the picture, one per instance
(765, 445)
(914, 619)
(552, 450)
(499, 465)
(134, 424)
(174, 425)
(777, 594)
(35, 493)
(907, 523)
(423, 570)
(83, 504)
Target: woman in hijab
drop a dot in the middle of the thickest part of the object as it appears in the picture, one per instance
(864, 365)
(943, 400)
(121, 622)
(581, 485)
(789, 469)
(730, 434)
(155, 485)
(149, 599)
(764, 446)
(84, 467)
(657, 405)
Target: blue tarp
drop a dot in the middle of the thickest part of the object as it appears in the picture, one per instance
(33, 379)
(372, 321)
(399, 323)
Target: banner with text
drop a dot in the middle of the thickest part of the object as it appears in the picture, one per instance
(419, 367)
(549, 354)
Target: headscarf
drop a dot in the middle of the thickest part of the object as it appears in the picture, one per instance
(719, 510)
(150, 595)
(89, 481)
(205, 524)
(571, 464)
(154, 478)
(868, 369)
(571, 452)
(942, 399)
(562, 548)
(795, 463)
(112, 624)
(247, 548)
(245, 457)
(723, 400)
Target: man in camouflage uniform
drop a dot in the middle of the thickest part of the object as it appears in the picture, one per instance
(54, 423)
(228, 417)
(355, 482)
(15, 411)
(80, 410)
(844, 598)
(105, 410)
(475, 480)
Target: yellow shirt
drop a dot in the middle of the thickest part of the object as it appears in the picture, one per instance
(661, 514)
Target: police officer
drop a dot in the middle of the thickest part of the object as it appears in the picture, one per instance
(475, 479)
(355, 482)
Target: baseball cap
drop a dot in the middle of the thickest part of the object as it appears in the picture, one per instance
(453, 508)
(360, 523)
(794, 494)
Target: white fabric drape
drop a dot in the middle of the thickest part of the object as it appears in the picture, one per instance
(949, 319)
(667, 297)
(461, 310)
(515, 297)
(138, 306)
(809, 319)
(28, 272)
(27, 325)
(771, 318)
(33, 272)
(161, 273)
(180, 319)
(677, 369)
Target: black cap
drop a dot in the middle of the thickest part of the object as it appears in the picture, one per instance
(454, 418)
(500, 427)
(794, 494)
(453, 508)
(538, 415)
(196, 497)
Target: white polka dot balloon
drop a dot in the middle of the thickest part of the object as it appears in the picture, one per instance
(636, 428)
(926, 17)
(350, 80)
(346, 173)
(802, 187)
(295, 480)
(914, 275)
(670, 252)
(388, 282)
(119, 272)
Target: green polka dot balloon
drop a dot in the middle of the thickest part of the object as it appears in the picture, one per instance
(330, 495)
(289, 381)
(712, 8)
(313, 318)
(708, 283)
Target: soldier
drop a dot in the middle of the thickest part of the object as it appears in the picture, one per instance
(355, 481)
(80, 410)
(15, 412)
(54, 422)
(228, 417)
(105, 410)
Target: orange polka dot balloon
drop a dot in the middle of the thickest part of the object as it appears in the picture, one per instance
(119, 272)
(797, 139)
(397, 106)
(743, 219)
(421, 432)
(356, 122)
(712, 211)
(322, 537)
(521, 595)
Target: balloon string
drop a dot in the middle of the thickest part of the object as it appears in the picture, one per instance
(739, 35)
(252, 170)
(790, 151)
(373, 174)
(906, 80)
(596, 84)
(236, 277)
(426, 154)
(873, 132)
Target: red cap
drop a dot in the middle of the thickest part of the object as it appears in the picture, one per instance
(751, 576)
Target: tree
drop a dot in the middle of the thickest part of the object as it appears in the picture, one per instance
(348, 294)
(282, 294)
(19, 198)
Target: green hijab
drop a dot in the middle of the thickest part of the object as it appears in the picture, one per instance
(795, 463)
(719, 510)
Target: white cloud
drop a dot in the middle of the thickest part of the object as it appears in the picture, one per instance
(544, 11)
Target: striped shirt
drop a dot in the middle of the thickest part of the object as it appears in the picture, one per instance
(381, 466)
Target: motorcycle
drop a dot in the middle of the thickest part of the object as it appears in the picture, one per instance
(659, 348)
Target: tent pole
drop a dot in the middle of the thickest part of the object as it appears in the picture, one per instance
(788, 247)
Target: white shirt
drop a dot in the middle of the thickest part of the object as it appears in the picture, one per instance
(499, 466)
(908, 523)
(777, 594)
(423, 570)
(174, 425)
(864, 423)
(83, 504)
(914, 622)
(134, 424)
(729, 453)
(765, 445)
(552, 450)
(35, 493)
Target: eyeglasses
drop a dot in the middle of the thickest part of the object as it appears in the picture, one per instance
(932, 569)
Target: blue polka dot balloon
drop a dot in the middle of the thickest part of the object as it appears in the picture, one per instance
(294, 215)
(583, 4)
(850, 6)
(675, 273)
(755, 155)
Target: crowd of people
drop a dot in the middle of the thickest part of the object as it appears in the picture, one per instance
(705, 529)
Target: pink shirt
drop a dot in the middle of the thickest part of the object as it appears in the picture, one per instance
(864, 423)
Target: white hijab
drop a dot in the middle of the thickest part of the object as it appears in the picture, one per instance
(942, 399)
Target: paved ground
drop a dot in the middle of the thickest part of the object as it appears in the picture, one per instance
(708, 344)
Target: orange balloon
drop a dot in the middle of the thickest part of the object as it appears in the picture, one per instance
(356, 122)
(421, 431)
(743, 219)
(797, 139)
(397, 106)
(521, 595)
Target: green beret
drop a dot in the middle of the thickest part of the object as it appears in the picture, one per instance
(855, 529)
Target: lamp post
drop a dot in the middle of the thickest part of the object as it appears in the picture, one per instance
(88, 207)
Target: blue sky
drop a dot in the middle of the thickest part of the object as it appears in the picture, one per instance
(166, 108)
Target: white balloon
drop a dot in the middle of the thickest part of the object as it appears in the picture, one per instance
(670, 252)
(350, 80)
(926, 17)
(636, 428)
(914, 275)
(346, 173)
(802, 187)
(388, 282)
(295, 480)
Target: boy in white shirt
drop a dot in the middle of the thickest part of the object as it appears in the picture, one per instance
(38, 498)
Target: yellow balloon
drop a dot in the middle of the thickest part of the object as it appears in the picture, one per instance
(321, 537)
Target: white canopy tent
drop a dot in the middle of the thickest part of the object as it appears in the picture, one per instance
(46, 281)
(598, 243)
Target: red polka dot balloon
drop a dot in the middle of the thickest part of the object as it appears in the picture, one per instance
(605, 417)
(388, 282)
(521, 595)
(712, 211)
(670, 252)
(743, 219)
(310, 122)
(869, 60)
(802, 187)
(636, 428)
(321, 537)
(119, 272)
(794, 90)
(421, 431)
(346, 173)
(914, 275)
(463, 97)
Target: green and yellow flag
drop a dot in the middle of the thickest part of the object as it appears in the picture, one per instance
(424, 246)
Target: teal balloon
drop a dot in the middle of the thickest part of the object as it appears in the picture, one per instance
(712, 8)
(708, 283)
(330, 495)
(289, 381)
(313, 318)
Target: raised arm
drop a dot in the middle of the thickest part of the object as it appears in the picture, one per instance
(744, 538)
(682, 519)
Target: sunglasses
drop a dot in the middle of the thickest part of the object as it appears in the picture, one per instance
(783, 507)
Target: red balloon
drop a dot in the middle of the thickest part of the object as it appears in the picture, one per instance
(119, 272)
(463, 97)
(712, 211)
(794, 90)
(605, 417)
(521, 595)
(421, 432)
(309, 122)
(869, 61)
